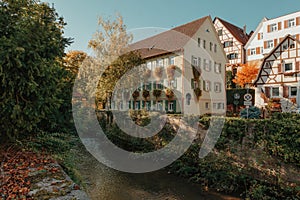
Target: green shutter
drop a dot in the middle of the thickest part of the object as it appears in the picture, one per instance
(166, 105)
(174, 106)
(154, 85)
(143, 104)
(129, 104)
(204, 86)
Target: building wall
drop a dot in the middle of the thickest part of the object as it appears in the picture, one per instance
(258, 46)
(212, 67)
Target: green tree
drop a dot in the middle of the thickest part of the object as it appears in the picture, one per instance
(31, 73)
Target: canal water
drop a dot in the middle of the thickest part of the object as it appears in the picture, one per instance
(103, 183)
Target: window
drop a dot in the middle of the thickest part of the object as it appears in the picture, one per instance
(288, 67)
(153, 64)
(291, 23)
(171, 106)
(232, 56)
(273, 27)
(261, 50)
(228, 44)
(149, 65)
(218, 68)
(275, 91)
(292, 45)
(204, 44)
(199, 42)
(194, 61)
(206, 85)
(160, 62)
(194, 84)
(284, 47)
(172, 60)
(220, 32)
(270, 44)
(211, 46)
(252, 51)
(166, 61)
(188, 98)
(207, 64)
(217, 87)
(293, 91)
(206, 105)
(215, 48)
(220, 106)
(199, 62)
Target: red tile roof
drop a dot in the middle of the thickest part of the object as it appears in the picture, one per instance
(169, 41)
(237, 32)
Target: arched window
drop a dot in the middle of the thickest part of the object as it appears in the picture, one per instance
(188, 98)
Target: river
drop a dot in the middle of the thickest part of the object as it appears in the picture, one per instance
(103, 183)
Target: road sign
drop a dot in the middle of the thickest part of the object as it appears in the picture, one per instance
(237, 96)
(247, 97)
(236, 102)
(247, 103)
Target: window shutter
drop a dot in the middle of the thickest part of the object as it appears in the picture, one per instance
(166, 105)
(298, 21)
(174, 106)
(298, 37)
(285, 91)
(248, 52)
(280, 39)
(297, 66)
(269, 28)
(129, 102)
(257, 50)
(275, 42)
(265, 44)
(286, 23)
(279, 26)
(267, 92)
(258, 36)
(279, 68)
(204, 85)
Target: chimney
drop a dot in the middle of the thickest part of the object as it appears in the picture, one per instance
(244, 29)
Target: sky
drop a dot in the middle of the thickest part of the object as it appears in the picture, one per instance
(144, 18)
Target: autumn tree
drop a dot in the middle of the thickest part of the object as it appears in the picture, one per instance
(111, 59)
(246, 74)
(73, 60)
(31, 47)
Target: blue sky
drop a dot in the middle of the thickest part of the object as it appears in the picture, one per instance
(81, 16)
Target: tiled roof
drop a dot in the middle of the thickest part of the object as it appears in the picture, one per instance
(169, 41)
(237, 32)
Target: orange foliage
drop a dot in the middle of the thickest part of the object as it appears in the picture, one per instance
(246, 74)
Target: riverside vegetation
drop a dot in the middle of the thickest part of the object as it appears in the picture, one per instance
(254, 159)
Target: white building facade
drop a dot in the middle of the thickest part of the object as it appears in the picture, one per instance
(269, 33)
(195, 53)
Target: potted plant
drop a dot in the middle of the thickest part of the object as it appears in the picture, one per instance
(196, 73)
(156, 93)
(135, 94)
(146, 94)
(197, 92)
(171, 71)
(169, 93)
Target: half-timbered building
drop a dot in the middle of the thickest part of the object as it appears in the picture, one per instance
(233, 40)
(279, 73)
